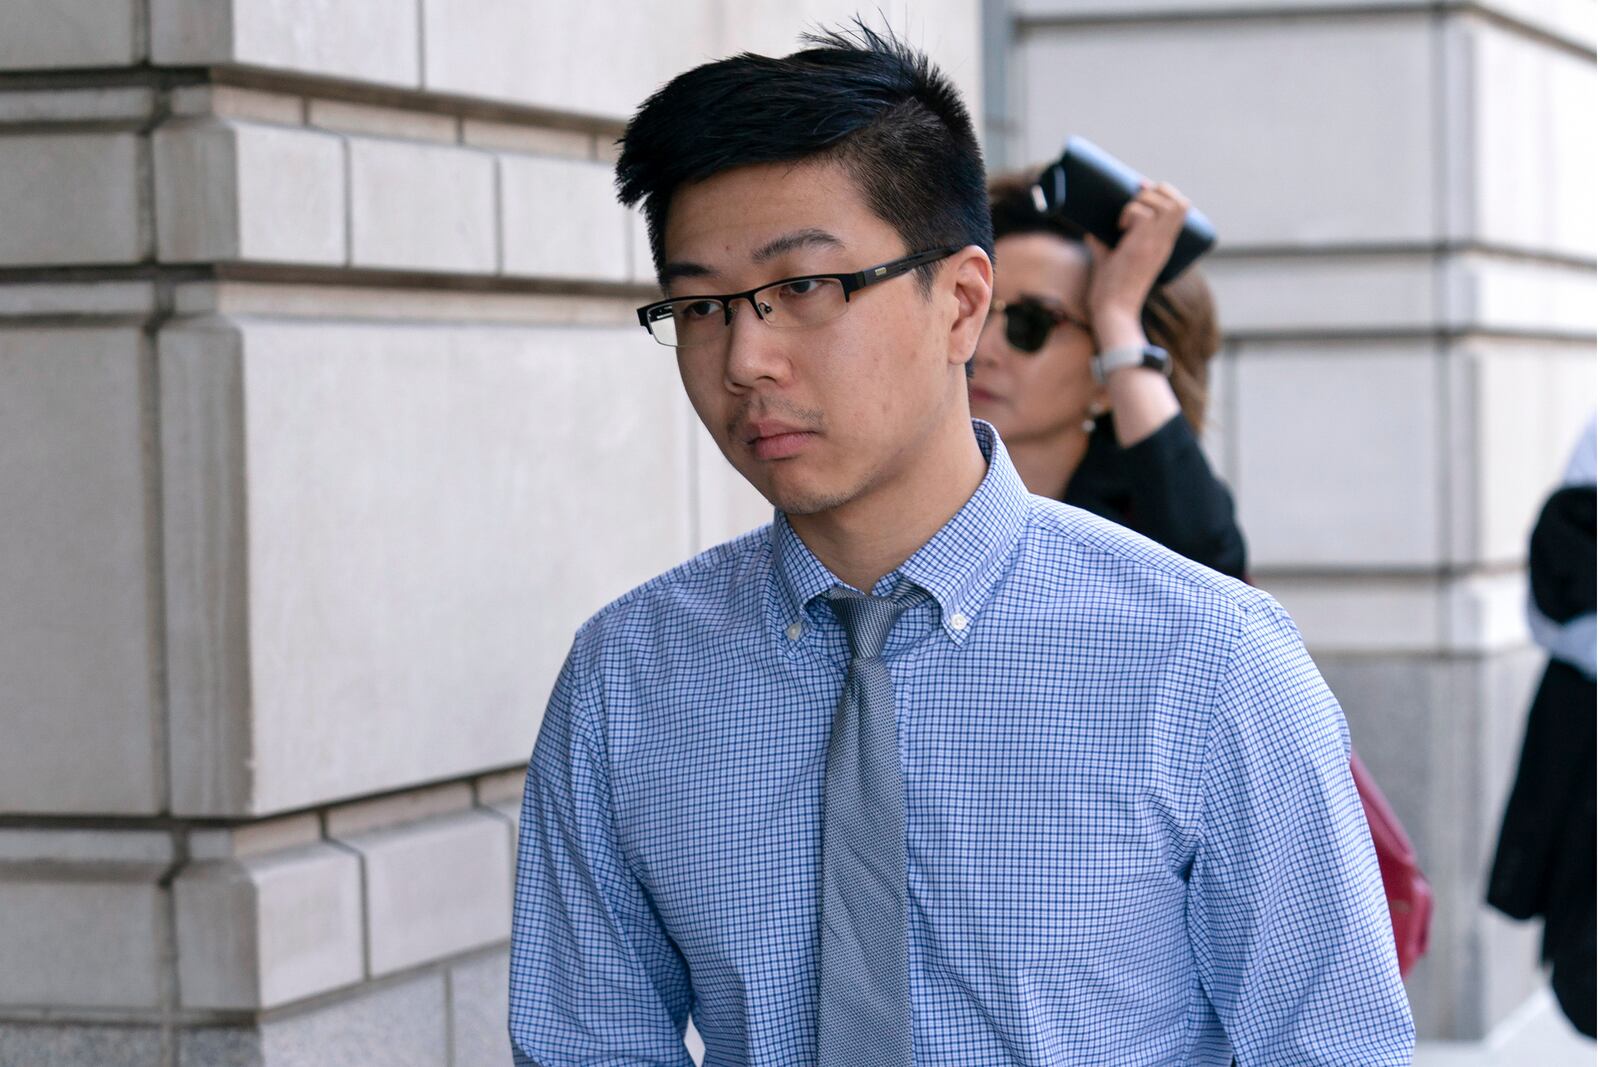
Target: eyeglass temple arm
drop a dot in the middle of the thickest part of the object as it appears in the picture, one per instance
(898, 267)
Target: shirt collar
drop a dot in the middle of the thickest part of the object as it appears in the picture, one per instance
(959, 566)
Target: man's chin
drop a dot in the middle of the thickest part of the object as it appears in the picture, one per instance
(800, 499)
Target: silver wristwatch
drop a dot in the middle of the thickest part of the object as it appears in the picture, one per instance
(1151, 356)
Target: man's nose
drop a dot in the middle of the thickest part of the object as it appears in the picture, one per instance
(756, 350)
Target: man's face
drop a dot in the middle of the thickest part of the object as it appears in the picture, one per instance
(818, 416)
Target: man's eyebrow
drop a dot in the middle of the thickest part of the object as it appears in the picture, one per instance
(798, 239)
(683, 269)
(807, 238)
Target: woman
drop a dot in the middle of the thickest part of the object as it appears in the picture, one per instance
(1126, 449)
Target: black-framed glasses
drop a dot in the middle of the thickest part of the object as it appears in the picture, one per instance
(788, 303)
(1029, 322)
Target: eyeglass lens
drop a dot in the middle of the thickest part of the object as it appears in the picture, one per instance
(792, 304)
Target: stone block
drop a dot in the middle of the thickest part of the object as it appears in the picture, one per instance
(83, 299)
(52, 34)
(1572, 21)
(434, 889)
(375, 42)
(479, 1007)
(550, 57)
(1339, 455)
(1505, 294)
(82, 192)
(119, 853)
(1517, 407)
(1535, 160)
(77, 689)
(1328, 100)
(382, 121)
(308, 623)
(1320, 295)
(66, 1045)
(1470, 614)
(421, 207)
(247, 191)
(402, 1024)
(80, 940)
(206, 569)
(560, 218)
(536, 140)
(266, 930)
(82, 922)
(125, 105)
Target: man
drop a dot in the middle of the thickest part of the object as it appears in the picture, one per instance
(930, 771)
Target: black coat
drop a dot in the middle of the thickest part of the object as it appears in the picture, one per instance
(1544, 862)
(1163, 488)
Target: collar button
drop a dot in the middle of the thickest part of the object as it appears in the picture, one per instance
(958, 621)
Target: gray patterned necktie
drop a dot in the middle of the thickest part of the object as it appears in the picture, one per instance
(864, 1000)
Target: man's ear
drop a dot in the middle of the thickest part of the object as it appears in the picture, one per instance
(971, 281)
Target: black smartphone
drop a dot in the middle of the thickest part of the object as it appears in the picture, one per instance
(1089, 186)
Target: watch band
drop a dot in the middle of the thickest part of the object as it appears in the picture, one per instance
(1113, 359)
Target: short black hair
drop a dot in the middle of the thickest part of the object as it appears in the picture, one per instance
(860, 98)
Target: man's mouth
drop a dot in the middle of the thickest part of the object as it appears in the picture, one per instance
(780, 443)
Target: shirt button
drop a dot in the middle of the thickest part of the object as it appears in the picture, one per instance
(794, 630)
(958, 621)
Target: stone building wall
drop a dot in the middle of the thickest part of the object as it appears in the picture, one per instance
(1405, 193)
(324, 421)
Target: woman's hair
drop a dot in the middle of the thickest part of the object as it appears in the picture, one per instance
(1179, 316)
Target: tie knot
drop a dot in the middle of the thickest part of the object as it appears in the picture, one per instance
(867, 620)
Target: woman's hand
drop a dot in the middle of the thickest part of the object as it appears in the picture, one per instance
(1121, 277)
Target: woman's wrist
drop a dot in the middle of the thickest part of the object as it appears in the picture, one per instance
(1118, 330)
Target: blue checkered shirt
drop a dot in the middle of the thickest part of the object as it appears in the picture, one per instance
(1131, 832)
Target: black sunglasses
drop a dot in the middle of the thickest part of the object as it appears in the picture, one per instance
(1029, 322)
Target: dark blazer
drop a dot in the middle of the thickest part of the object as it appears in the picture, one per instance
(1163, 488)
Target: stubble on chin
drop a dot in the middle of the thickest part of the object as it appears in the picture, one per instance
(805, 503)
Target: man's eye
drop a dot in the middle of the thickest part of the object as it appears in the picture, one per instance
(801, 287)
(699, 309)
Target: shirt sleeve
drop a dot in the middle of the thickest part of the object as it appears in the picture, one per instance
(1178, 502)
(594, 976)
(1287, 915)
